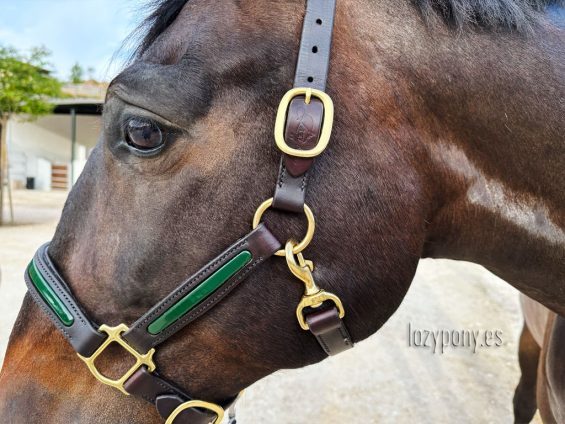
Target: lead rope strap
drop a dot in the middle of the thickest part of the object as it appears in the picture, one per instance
(319, 311)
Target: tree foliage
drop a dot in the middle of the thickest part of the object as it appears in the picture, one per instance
(91, 72)
(77, 73)
(25, 82)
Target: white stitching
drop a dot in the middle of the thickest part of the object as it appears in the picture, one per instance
(187, 285)
(182, 322)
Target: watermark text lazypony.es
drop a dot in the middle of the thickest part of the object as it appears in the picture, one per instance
(438, 341)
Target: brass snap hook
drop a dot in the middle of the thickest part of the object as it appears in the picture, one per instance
(301, 270)
(313, 295)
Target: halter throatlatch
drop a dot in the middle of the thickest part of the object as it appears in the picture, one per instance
(302, 132)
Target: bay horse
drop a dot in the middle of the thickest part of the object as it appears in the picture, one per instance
(448, 142)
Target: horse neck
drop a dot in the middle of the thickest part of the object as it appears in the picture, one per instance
(493, 129)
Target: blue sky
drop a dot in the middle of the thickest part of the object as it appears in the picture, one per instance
(84, 31)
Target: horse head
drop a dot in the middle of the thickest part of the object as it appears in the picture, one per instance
(187, 155)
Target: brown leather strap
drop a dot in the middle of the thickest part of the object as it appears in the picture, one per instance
(330, 330)
(262, 245)
(315, 45)
(304, 121)
(303, 127)
(82, 334)
(167, 397)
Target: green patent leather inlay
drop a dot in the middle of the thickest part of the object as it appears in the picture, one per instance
(49, 295)
(201, 292)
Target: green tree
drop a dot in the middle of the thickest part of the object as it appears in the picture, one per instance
(77, 73)
(91, 72)
(25, 88)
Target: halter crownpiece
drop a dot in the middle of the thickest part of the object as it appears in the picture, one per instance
(302, 132)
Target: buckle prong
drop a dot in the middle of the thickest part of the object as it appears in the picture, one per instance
(308, 96)
(115, 335)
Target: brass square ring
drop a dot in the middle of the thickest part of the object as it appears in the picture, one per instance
(115, 335)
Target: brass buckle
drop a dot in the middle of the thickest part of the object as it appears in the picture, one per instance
(313, 295)
(218, 410)
(115, 335)
(327, 125)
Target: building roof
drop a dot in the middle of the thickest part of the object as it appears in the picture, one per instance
(87, 89)
(86, 98)
(81, 106)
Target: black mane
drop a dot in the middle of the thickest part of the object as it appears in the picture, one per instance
(162, 13)
(518, 15)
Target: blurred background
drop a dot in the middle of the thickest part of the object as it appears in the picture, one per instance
(65, 52)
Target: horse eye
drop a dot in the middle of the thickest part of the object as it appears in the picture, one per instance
(143, 135)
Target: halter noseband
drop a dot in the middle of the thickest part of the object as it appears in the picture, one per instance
(302, 132)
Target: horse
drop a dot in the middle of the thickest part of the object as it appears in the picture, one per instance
(447, 143)
(542, 343)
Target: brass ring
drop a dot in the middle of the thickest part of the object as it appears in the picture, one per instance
(218, 410)
(309, 232)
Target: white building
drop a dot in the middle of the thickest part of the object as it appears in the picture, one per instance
(50, 152)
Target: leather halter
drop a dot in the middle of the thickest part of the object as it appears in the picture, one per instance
(302, 132)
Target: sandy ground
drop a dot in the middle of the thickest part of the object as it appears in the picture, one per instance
(382, 380)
